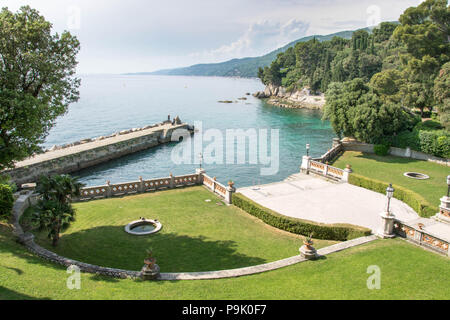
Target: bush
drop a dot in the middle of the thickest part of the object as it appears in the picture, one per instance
(427, 137)
(414, 200)
(6, 201)
(381, 149)
(339, 232)
(436, 143)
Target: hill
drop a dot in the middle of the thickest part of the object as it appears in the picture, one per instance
(244, 67)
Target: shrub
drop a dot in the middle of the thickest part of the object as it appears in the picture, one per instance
(435, 142)
(339, 232)
(6, 201)
(381, 149)
(414, 200)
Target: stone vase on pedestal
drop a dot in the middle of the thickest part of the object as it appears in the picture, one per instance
(307, 251)
(150, 271)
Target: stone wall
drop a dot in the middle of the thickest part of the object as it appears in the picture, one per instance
(92, 153)
(404, 153)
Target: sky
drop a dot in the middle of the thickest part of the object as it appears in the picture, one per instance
(120, 36)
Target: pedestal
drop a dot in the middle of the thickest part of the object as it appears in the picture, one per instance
(308, 253)
(444, 210)
(387, 226)
(306, 163)
(150, 274)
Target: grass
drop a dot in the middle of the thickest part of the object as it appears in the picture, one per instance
(196, 235)
(391, 169)
(407, 272)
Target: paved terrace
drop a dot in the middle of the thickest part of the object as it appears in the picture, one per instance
(311, 198)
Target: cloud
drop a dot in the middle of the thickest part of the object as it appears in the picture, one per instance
(260, 38)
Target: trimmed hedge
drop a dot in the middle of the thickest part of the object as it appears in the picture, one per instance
(6, 201)
(338, 232)
(414, 200)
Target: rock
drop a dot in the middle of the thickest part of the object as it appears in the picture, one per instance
(225, 101)
(53, 148)
(124, 132)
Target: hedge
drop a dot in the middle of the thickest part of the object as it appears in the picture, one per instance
(414, 200)
(6, 201)
(338, 232)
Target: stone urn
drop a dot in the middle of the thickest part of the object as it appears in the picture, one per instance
(307, 251)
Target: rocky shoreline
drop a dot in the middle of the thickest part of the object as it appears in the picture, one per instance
(299, 99)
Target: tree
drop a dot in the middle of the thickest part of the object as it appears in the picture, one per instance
(442, 94)
(384, 31)
(425, 30)
(354, 110)
(37, 81)
(417, 91)
(387, 84)
(54, 210)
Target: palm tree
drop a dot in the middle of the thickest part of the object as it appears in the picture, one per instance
(54, 210)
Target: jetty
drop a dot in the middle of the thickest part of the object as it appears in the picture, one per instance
(90, 152)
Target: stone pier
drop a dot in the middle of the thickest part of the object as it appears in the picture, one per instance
(88, 153)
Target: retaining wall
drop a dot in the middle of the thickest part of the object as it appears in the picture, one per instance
(398, 152)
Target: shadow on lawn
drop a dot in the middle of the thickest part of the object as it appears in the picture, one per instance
(110, 246)
(386, 159)
(8, 294)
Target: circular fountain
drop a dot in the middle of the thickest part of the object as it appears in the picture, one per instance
(143, 227)
(416, 175)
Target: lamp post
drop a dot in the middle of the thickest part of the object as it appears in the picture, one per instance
(389, 194)
(200, 156)
(387, 218)
(307, 149)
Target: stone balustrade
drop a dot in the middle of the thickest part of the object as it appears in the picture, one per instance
(325, 170)
(140, 186)
(218, 188)
(421, 237)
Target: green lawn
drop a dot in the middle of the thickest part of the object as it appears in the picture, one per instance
(407, 272)
(390, 169)
(196, 235)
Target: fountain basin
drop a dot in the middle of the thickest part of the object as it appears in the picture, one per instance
(416, 175)
(143, 227)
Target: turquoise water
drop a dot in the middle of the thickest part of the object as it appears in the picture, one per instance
(112, 103)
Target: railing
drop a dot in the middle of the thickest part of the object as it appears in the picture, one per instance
(320, 165)
(218, 188)
(330, 154)
(141, 186)
(421, 237)
(327, 170)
